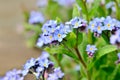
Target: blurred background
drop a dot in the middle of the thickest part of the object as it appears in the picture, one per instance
(13, 49)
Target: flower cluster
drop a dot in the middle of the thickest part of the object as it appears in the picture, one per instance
(98, 25)
(42, 67)
(91, 50)
(36, 17)
(13, 75)
(52, 32)
(55, 32)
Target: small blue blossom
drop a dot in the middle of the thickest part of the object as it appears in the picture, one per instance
(30, 63)
(52, 77)
(44, 55)
(49, 27)
(42, 3)
(66, 3)
(111, 5)
(91, 50)
(36, 17)
(116, 25)
(13, 75)
(59, 34)
(44, 63)
(115, 38)
(68, 27)
(40, 42)
(78, 22)
(58, 72)
(108, 23)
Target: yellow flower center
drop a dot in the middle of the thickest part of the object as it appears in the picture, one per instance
(44, 30)
(93, 25)
(99, 28)
(45, 65)
(91, 48)
(50, 37)
(59, 35)
(108, 25)
(76, 24)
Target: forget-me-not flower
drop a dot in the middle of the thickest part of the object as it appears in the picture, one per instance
(91, 50)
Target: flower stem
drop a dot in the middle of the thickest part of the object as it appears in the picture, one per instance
(80, 58)
(82, 61)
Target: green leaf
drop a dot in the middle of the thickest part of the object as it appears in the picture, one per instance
(54, 49)
(80, 38)
(60, 50)
(32, 41)
(29, 27)
(76, 12)
(71, 40)
(59, 57)
(94, 8)
(81, 3)
(58, 19)
(105, 50)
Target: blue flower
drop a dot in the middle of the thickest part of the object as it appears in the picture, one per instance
(91, 50)
(38, 72)
(44, 55)
(58, 72)
(36, 17)
(115, 38)
(96, 26)
(52, 77)
(59, 33)
(42, 3)
(44, 63)
(66, 3)
(49, 27)
(116, 24)
(111, 5)
(30, 63)
(40, 42)
(77, 22)
(13, 75)
(108, 23)
(68, 27)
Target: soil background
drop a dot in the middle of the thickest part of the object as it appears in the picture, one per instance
(13, 49)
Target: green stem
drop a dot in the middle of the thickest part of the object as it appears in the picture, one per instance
(87, 16)
(90, 41)
(82, 62)
(117, 9)
(80, 57)
(59, 63)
